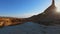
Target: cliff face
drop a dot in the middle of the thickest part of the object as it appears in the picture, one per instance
(49, 16)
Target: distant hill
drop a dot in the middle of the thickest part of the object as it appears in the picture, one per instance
(9, 21)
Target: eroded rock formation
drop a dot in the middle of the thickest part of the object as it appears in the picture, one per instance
(48, 17)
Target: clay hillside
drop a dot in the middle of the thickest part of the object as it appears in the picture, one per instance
(48, 17)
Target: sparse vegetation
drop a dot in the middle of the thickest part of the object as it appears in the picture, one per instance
(7, 21)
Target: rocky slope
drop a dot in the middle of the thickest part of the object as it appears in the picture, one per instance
(48, 17)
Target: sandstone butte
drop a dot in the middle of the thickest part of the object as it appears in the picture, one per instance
(48, 17)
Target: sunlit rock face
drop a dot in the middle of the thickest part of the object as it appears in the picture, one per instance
(49, 16)
(51, 11)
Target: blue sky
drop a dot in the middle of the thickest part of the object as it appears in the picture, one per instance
(22, 8)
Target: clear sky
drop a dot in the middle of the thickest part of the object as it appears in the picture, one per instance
(22, 8)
